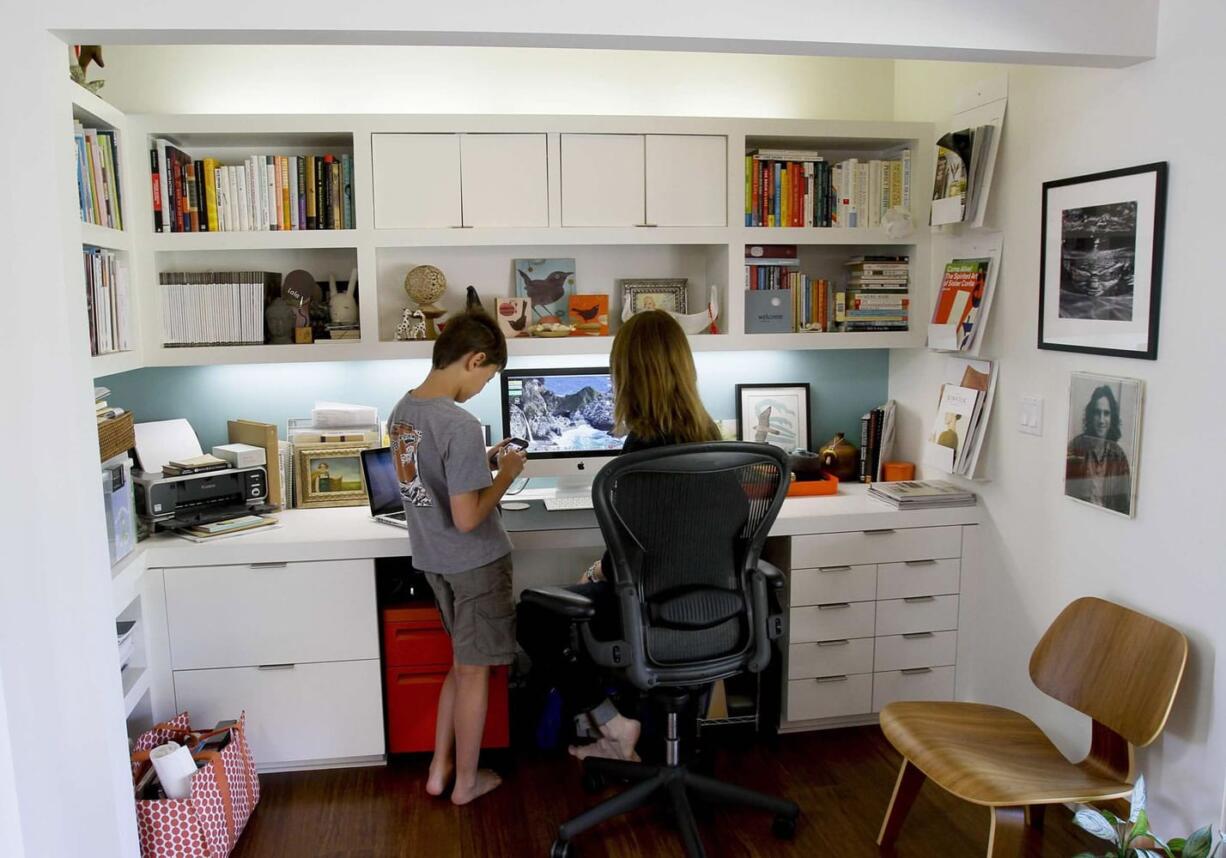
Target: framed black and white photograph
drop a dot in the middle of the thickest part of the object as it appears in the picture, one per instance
(1104, 441)
(1100, 270)
(774, 414)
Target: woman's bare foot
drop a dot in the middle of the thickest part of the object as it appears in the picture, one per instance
(624, 732)
(440, 777)
(485, 781)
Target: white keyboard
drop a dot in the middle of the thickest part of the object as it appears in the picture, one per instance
(569, 502)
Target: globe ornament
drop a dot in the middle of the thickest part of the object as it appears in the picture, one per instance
(425, 284)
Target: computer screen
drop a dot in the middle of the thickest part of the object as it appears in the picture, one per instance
(382, 484)
(560, 413)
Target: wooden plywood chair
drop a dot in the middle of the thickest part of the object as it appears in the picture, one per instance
(1118, 666)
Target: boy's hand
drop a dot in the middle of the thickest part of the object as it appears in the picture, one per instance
(511, 461)
(494, 452)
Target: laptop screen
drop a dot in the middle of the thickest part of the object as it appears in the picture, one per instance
(382, 485)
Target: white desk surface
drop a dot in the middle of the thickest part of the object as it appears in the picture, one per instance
(348, 532)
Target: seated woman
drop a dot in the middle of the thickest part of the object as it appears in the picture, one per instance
(655, 390)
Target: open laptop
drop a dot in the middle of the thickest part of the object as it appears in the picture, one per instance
(383, 487)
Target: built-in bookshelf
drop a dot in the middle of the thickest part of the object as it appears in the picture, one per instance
(495, 190)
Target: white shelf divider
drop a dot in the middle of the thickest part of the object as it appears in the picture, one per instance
(105, 237)
(136, 681)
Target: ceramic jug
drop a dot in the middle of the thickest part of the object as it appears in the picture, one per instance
(841, 458)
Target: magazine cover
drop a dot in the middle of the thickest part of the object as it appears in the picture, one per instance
(958, 303)
(951, 427)
(954, 152)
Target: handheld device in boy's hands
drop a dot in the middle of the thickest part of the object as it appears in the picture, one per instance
(511, 460)
(496, 451)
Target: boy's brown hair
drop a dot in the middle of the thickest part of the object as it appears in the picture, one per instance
(469, 332)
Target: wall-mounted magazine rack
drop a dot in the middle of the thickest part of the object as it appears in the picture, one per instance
(982, 106)
(960, 327)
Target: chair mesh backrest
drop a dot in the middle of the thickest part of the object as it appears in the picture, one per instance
(688, 523)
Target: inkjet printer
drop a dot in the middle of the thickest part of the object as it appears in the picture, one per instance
(172, 503)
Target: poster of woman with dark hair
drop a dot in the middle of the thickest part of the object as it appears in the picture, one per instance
(1104, 441)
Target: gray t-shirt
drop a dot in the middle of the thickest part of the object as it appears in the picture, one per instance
(438, 449)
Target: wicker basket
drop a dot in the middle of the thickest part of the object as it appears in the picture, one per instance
(116, 436)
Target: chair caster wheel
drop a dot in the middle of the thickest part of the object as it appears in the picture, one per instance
(562, 849)
(784, 827)
(593, 783)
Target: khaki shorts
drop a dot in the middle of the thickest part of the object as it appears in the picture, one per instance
(478, 612)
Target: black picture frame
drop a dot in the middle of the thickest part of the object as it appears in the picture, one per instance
(800, 388)
(1077, 305)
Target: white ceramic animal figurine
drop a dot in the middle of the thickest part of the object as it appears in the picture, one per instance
(343, 306)
(691, 323)
(412, 326)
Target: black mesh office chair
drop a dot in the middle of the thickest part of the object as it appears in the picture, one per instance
(685, 526)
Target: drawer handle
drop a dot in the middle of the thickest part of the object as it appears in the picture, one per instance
(834, 569)
(404, 634)
(881, 532)
(288, 666)
(915, 600)
(842, 678)
(417, 679)
(843, 642)
(914, 636)
(920, 562)
(834, 606)
(915, 671)
(275, 565)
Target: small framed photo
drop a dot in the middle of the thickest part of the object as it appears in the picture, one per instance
(1100, 263)
(329, 475)
(1104, 441)
(774, 414)
(667, 294)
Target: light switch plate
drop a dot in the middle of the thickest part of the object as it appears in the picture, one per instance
(1030, 418)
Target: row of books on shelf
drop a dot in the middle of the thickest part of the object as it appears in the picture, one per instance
(108, 301)
(216, 307)
(264, 192)
(799, 188)
(97, 177)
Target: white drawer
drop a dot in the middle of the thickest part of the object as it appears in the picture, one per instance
(876, 546)
(830, 658)
(831, 622)
(924, 683)
(830, 697)
(917, 614)
(241, 616)
(834, 584)
(923, 649)
(917, 578)
(295, 714)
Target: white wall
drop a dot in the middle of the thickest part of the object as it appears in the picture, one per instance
(397, 79)
(10, 821)
(1047, 550)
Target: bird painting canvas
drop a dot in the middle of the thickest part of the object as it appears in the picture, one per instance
(513, 316)
(548, 283)
(590, 315)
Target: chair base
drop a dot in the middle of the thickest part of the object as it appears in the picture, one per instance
(679, 784)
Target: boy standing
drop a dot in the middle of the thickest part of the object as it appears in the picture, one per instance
(449, 498)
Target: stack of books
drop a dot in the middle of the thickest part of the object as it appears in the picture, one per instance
(798, 187)
(921, 494)
(264, 192)
(107, 302)
(776, 267)
(877, 296)
(876, 441)
(214, 308)
(97, 178)
(336, 333)
(194, 465)
(228, 527)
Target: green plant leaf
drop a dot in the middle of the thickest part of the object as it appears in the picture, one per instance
(1140, 824)
(1097, 824)
(1199, 843)
(1138, 799)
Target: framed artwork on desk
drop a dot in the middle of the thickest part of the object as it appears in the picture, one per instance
(330, 475)
(1100, 263)
(775, 414)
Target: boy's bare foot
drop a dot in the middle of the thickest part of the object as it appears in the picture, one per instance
(440, 777)
(606, 748)
(624, 732)
(486, 781)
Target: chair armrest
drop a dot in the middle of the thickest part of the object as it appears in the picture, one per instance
(774, 578)
(559, 600)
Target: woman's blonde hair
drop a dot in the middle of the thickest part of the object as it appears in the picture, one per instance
(655, 385)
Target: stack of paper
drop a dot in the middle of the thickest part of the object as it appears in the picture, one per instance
(929, 494)
(963, 405)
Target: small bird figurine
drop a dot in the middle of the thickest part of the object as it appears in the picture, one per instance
(547, 291)
(472, 301)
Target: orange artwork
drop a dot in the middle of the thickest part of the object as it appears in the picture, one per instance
(590, 315)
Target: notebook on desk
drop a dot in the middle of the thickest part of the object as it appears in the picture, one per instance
(383, 487)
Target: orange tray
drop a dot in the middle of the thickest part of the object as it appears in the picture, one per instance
(828, 485)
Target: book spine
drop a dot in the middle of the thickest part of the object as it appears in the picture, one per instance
(157, 189)
(270, 197)
(286, 221)
(240, 199)
(302, 191)
(176, 211)
(906, 179)
(111, 161)
(210, 195)
(311, 211)
(291, 201)
(347, 211)
(337, 194)
(201, 196)
(164, 185)
(748, 190)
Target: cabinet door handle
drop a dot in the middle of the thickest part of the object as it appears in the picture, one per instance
(881, 532)
(843, 642)
(842, 678)
(915, 636)
(647, 225)
(278, 564)
(834, 569)
(914, 600)
(287, 666)
(915, 671)
(834, 606)
(920, 562)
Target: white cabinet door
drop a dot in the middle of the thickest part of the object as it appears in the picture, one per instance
(602, 180)
(829, 697)
(417, 180)
(505, 180)
(296, 714)
(687, 180)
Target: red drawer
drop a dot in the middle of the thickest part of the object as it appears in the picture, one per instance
(414, 637)
(412, 708)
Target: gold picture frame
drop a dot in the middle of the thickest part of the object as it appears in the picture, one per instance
(329, 475)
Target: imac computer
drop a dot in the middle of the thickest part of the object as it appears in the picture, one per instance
(566, 416)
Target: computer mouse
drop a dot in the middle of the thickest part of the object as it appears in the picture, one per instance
(513, 506)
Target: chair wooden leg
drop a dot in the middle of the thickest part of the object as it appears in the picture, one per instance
(1035, 815)
(1005, 838)
(906, 788)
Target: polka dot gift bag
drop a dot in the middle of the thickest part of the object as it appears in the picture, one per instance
(224, 792)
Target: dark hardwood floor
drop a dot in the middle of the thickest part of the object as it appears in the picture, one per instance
(842, 780)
